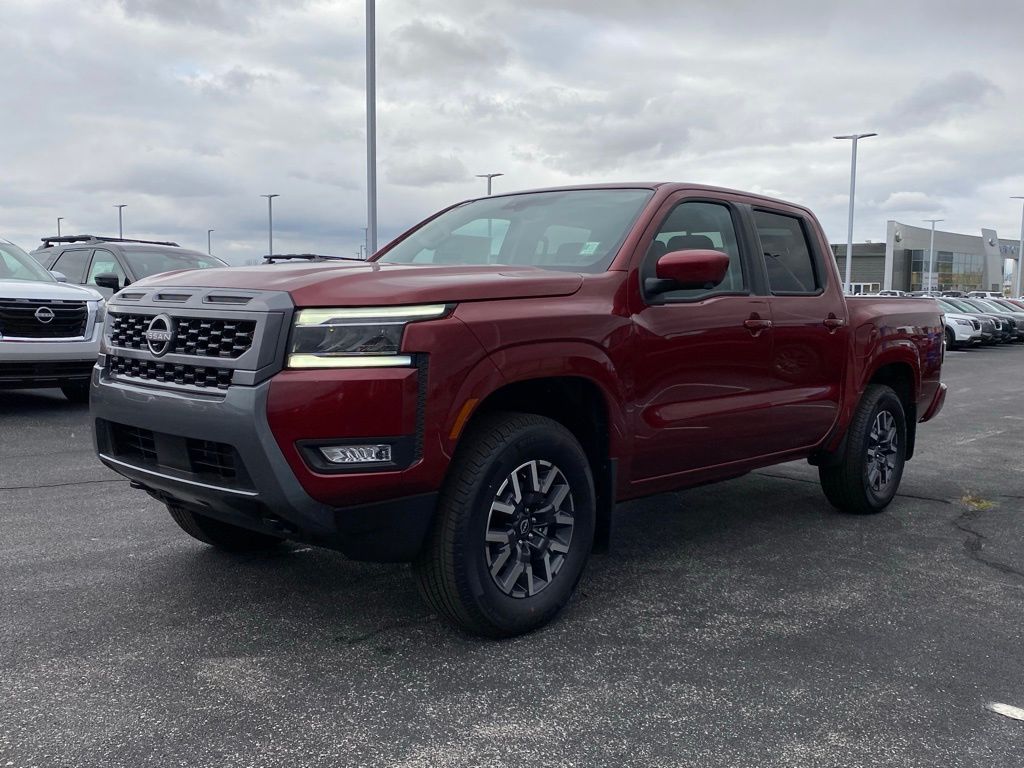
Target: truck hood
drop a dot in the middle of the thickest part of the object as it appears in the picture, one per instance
(379, 284)
(46, 291)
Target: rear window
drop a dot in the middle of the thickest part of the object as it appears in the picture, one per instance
(788, 256)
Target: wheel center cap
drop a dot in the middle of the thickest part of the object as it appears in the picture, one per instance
(524, 526)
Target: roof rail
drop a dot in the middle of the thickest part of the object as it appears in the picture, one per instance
(49, 241)
(307, 256)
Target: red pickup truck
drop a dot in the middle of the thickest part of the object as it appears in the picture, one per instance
(477, 397)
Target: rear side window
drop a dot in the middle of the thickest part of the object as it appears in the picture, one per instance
(788, 258)
(72, 265)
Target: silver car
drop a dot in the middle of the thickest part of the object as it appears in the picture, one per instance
(49, 331)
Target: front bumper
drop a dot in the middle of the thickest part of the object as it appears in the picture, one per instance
(47, 363)
(242, 478)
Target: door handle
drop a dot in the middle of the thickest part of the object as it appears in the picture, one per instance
(833, 323)
(755, 325)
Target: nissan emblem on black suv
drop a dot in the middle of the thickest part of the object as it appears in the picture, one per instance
(159, 335)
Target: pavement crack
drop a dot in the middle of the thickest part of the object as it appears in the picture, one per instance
(404, 623)
(59, 485)
(975, 543)
(815, 482)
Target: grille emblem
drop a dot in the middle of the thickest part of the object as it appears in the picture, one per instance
(159, 335)
(45, 315)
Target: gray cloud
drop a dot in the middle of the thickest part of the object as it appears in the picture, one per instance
(188, 110)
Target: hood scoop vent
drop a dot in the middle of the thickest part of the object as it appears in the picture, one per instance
(226, 299)
(173, 297)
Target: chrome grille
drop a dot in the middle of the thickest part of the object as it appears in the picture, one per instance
(18, 319)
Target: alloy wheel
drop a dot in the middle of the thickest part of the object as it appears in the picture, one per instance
(882, 452)
(529, 528)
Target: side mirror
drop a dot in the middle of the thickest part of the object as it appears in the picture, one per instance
(60, 277)
(698, 268)
(108, 280)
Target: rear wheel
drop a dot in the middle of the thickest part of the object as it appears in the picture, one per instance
(514, 528)
(223, 536)
(868, 475)
(76, 391)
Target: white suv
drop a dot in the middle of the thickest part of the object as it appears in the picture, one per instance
(49, 331)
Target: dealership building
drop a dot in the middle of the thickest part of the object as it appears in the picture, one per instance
(962, 262)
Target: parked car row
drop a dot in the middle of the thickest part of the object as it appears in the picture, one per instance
(982, 321)
(52, 306)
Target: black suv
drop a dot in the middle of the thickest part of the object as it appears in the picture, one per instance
(110, 263)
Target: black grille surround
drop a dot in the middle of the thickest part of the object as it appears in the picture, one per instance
(198, 336)
(158, 372)
(18, 319)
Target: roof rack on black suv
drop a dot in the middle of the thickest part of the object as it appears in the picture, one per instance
(307, 256)
(49, 241)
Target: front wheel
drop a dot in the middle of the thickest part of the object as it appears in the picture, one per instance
(223, 536)
(76, 391)
(868, 474)
(950, 340)
(514, 527)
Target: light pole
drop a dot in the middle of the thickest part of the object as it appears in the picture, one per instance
(1020, 252)
(371, 131)
(854, 137)
(59, 220)
(488, 176)
(931, 258)
(120, 222)
(270, 223)
(209, 241)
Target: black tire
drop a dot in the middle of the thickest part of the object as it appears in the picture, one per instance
(868, 473)
(950, 339)
(504, 455)
(76, 391)
(223, 536)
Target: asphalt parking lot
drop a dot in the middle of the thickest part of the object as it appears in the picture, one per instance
(743, 624)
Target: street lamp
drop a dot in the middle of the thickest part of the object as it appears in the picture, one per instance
(371, 132)
(1020, 251)
(59, 220)
(931, 257)
(209, 249)
(854, 137)
(120, 227)
(270, 223)
(488, 176)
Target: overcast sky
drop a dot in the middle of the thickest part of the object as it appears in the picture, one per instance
(188, 110)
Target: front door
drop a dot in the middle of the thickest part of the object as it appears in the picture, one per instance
(703, 361)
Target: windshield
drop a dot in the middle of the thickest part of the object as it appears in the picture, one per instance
(573, 231)
(146, 263)
(991, 306)
(15, 264)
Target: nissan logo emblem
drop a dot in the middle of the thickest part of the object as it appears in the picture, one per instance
(159, 335)
(45, 315)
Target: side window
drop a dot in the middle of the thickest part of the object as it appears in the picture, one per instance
(697, 225)
(72, 264)
(105, 261)
(788, 258)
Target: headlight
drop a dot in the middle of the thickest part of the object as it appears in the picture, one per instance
(359, 337)
(101, 311)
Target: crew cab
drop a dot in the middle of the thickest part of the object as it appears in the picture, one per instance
(478, 396)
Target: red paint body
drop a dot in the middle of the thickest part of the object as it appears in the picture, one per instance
(692, 392)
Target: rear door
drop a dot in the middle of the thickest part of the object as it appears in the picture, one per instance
(809, 324)
(703, 357)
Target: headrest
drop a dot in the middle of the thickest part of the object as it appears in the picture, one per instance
(690, 242)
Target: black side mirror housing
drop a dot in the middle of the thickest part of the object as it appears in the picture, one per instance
(108, 280)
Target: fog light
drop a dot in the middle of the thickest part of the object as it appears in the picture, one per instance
(356, 454)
